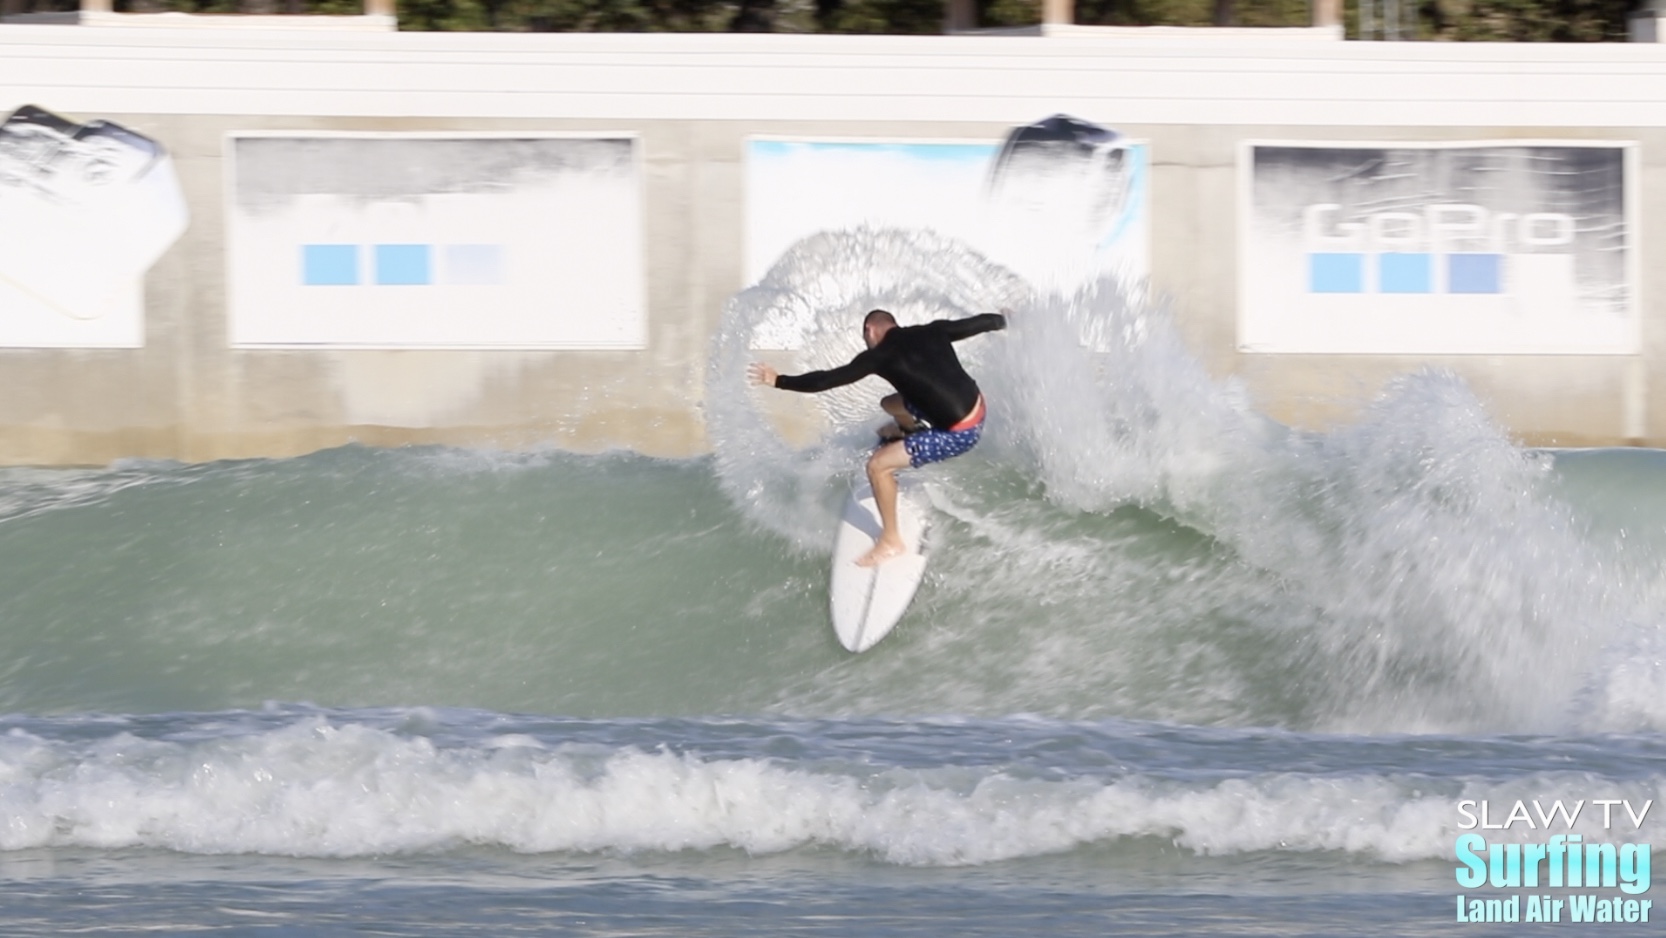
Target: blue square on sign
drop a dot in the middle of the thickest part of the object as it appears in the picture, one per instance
(402, 265)
(1406, 273)
(1475, 273)
(329, 265)
(472, 264)
(1336, 273)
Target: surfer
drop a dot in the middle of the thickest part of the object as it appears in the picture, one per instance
(937, 411)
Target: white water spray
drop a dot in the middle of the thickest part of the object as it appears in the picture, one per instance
(1410, 571)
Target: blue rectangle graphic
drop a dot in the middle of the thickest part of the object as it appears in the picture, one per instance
(472, 265)
(1475, 273)
(329, 265)
(405, 264)
(1405, 273)
(402, 265)
(1336, 273)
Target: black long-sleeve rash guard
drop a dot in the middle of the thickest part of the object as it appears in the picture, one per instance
(920, 363)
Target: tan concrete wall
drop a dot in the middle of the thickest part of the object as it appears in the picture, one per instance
(693, 101)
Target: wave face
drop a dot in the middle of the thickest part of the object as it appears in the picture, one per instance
(1132, 540)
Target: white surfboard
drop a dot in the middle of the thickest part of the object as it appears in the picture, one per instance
(868, 601)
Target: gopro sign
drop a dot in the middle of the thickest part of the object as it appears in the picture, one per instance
(1447, 247)
(1438, 247)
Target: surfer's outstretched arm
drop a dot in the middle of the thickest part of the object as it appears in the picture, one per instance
(957, 329)
(812, 382)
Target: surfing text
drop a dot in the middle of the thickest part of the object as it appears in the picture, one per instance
(1560, 861)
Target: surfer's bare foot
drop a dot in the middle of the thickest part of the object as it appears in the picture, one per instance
(883, 550)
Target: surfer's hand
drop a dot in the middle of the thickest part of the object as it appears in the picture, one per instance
(760, 373)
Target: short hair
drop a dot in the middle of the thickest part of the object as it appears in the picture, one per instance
(879, 317)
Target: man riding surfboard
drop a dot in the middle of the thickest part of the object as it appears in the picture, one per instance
(938, 408)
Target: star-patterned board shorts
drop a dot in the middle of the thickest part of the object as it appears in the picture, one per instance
(933, 445)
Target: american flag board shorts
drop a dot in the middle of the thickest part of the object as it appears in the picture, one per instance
(933, 445)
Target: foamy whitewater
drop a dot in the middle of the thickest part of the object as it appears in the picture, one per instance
(1176, 669)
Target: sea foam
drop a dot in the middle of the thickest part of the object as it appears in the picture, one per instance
(332, 788)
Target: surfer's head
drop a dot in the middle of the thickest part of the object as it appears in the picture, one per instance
(877, 323)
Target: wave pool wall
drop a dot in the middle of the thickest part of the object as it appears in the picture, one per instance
(196, 379)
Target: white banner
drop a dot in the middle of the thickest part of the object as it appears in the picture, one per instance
(435, 241)
(1049, 214)
(1438, 248)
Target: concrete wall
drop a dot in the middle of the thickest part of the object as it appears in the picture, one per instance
(692, 102)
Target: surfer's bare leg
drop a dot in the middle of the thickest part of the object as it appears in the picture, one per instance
(882, 475)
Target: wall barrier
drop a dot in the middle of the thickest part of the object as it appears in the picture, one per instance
(232, 242)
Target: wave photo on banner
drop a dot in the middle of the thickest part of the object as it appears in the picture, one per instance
(85, 210)
(1060, 202)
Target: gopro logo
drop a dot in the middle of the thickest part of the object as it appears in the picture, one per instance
(1450, 247)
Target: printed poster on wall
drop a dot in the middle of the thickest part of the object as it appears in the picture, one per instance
(85, 210)
(359, 240)
(1044, 217)
(1438, 248)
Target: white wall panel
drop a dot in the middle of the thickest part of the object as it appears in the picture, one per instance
(1203, 80)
